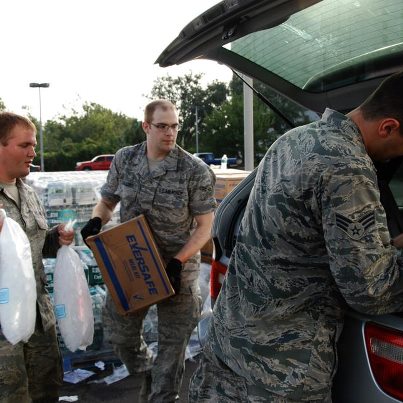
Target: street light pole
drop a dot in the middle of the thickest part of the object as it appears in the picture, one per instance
(39, 86)
(197, 131)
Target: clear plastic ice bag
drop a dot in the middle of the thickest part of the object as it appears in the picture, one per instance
(17, 282)
(73, 304)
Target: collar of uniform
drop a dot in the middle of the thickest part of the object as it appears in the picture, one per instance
(170, 161)
(345, 123)
(140, 154)
(20, 184)
(17, 181)
(23, 189)
(333, 117)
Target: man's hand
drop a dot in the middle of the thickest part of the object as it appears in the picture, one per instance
(93, 227)
(173, 270)
(65, 237)
(398, 241)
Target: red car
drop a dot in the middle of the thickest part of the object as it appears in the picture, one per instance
(100, 162)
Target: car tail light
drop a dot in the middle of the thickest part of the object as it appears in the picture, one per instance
(218, 271)
(385, 352)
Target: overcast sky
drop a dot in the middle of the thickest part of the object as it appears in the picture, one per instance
(99, 51)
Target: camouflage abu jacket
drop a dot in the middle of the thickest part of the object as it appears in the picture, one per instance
(169, 197)
(313, 241)
(44, 242)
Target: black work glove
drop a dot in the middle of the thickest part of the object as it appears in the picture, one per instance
(173, 270)
(92, 227)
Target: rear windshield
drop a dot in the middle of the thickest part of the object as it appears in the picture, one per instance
(311, 45)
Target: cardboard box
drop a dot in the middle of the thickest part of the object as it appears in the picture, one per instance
(131, 265)
(207, 252)
(226, 181)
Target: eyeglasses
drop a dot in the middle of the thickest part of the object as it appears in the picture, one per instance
(163, 127)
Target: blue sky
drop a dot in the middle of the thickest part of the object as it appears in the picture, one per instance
(91, 51)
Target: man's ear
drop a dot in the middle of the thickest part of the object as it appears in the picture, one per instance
(388, 126)
(145, 126)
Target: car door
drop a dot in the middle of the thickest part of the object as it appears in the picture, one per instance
(99, 163)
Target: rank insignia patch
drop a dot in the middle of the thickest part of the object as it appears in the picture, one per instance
(355, 229)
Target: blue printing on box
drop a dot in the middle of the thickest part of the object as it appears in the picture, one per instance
(153, 257)
(112, 274)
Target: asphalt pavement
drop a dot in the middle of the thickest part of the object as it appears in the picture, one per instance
(123, 391)
(94, 389)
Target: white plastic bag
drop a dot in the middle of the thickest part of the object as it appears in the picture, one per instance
(17, 282)
(73, 304)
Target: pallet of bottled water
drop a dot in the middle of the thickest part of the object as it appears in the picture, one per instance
(70, 195)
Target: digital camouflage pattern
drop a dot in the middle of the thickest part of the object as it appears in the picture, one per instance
(214, 382)
(177, 317)
(313, 241)
(170, 196)
(180, 188)
(41, 368)
(38, 376)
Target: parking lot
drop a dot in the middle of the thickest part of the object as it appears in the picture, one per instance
(123, 391)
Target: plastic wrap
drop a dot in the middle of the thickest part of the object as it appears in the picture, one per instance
(73, 304)
(17, 283)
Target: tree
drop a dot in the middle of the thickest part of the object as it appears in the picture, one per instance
(2, 105)
(186, 92)
(82, 135)
(223, 129)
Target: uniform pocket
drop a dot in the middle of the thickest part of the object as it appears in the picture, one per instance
(36, 212)
(128, 193)
(174, 201)
(323, 361)
(128, 189)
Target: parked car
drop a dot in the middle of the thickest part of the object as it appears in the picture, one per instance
(314, 54)
(100, 162)
(210, 159)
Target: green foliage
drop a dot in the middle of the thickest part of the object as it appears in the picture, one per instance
(223, 130)
(186, 92)
(95, 130)
(220, 110)
(2, 105)
(82, 136)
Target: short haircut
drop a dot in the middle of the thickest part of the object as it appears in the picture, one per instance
(386, 100)
(8, 121)
(152, 106)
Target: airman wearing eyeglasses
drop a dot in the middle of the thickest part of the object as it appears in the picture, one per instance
(174, 190)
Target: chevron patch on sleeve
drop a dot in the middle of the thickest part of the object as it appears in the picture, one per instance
(355, 229)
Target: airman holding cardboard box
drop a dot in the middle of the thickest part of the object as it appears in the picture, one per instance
(175, 193)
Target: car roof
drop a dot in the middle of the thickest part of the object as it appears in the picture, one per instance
(319, 53)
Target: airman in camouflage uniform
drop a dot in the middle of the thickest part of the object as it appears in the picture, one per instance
(313, 240)
(31, 370)
(174, 191)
